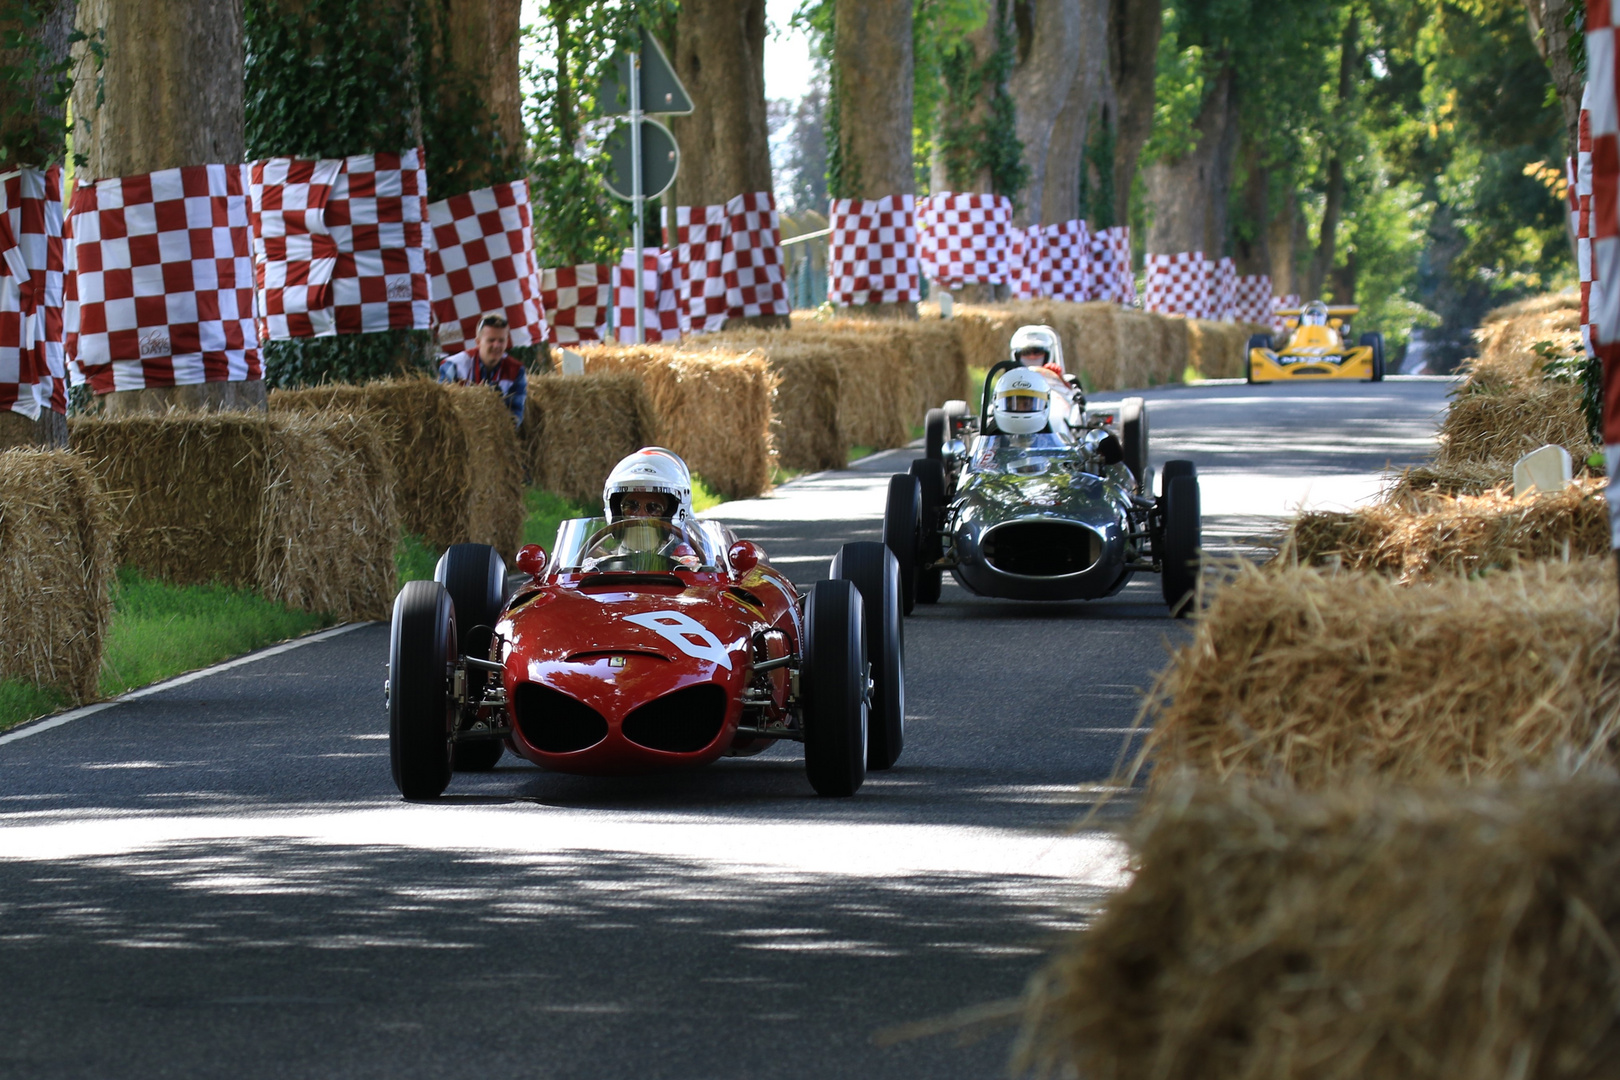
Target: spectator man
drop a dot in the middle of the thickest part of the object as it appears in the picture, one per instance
(489, 362)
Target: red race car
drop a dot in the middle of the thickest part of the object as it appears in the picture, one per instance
(643, 645)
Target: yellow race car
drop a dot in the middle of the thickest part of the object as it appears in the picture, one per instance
(1316, 348)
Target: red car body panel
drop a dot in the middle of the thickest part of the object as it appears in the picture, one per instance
(617, 643)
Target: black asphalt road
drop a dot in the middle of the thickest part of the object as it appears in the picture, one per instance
(219, 880)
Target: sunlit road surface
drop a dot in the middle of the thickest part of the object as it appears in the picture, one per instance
(219, 880)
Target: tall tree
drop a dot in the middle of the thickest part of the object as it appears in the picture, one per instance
(1084, 123)
(1188, 189)
(470, 91)
(718, 48)
(1044, 77)
(35, 66)
(1322, 261)
(1555, 28)
(1133, 46)
(169, 94)
(871, 108)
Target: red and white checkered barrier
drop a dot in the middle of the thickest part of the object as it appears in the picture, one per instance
(1601, 125)
(965, 238)
(872, 251)
(663, 317)
(752, 259)
(1030, 271)
(1111, 276)
(1581, 198)
(1279, 325)
(576, 299)
(483, 263)
(1251, 299)
(1068, 261)
(700, 260)
(31, 293)
(340, 245)
(1178, 284)
(161, 280)
(1223, 289)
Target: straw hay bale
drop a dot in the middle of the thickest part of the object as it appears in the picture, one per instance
(807, 426)
(577, 427)
(1392, 935)
(938, 363)
(300, 508)
(1460, 534)
(1218, 350)
(1420, 483)
(1507, 336)
(56, 540)
(495, 480)
(1149, 348)
(713, 404)
(1503, 426)
(425, 439)
(1315, 677)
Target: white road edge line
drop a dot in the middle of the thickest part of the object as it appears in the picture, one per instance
(179, 680)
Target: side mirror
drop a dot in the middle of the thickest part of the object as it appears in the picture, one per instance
(531, 560)
(743, 556)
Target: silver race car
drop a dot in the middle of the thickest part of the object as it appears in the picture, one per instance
(1059, 507)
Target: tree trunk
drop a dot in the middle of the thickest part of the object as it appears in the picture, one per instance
(1333, 200)
(474, 118)
(1342, 280)
(1251, 251)
(719, 53)
(1043, 80)
(1087, 105)
(1284, 232)
(1188, 194)
(1133, 49)
(1551, 35)
(872, 93)
(170, 96)
(484, 41)
(171, 90)
(33, 129)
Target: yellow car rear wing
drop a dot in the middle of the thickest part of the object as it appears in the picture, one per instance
(1343, 312)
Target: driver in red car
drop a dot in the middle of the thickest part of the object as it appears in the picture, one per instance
(652, 483)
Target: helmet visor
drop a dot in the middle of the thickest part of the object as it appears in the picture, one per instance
(1023, 403)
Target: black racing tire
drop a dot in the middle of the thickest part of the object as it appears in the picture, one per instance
(1376, 341)
(1133, 431)
(1173, 469)
(902, 526)
(936, 430)
(1182, 538)
(421, 713)
(475, 577)
(931, 483)
(833, 683)
(873, 571)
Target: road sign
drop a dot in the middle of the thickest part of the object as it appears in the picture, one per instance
(661, 90)
(660, 159)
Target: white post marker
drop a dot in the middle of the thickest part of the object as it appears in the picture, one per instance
(636, 197)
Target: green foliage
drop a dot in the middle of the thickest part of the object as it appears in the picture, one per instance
(35, 83)
(1577, 367)
(939, 29)
(414, 560)
(329, 78)
(977, 132)
(576, 220)
(160, 630)
(349, 358)
(1097, 174)
(544, 511)
(1178, 95)
(21, 701)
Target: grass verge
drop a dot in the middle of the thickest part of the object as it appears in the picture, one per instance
(160, 630)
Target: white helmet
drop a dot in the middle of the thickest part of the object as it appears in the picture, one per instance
(652, 468)
(1022, 402)
(1038, 337)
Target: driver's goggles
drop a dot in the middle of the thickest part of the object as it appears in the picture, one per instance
(644, 504)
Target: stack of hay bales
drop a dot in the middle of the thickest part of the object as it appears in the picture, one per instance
(300, 508)
(1364, 932)
(457, 467)
(1112, 347)
(1311, 677)
(1421, 536)
(577, 427)
(713, 407)
(1219, 350)
(56, 564)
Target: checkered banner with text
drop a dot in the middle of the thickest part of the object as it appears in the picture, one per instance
(32, 262)
(160, 289)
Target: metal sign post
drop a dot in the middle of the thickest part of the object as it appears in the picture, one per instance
(646, 70)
